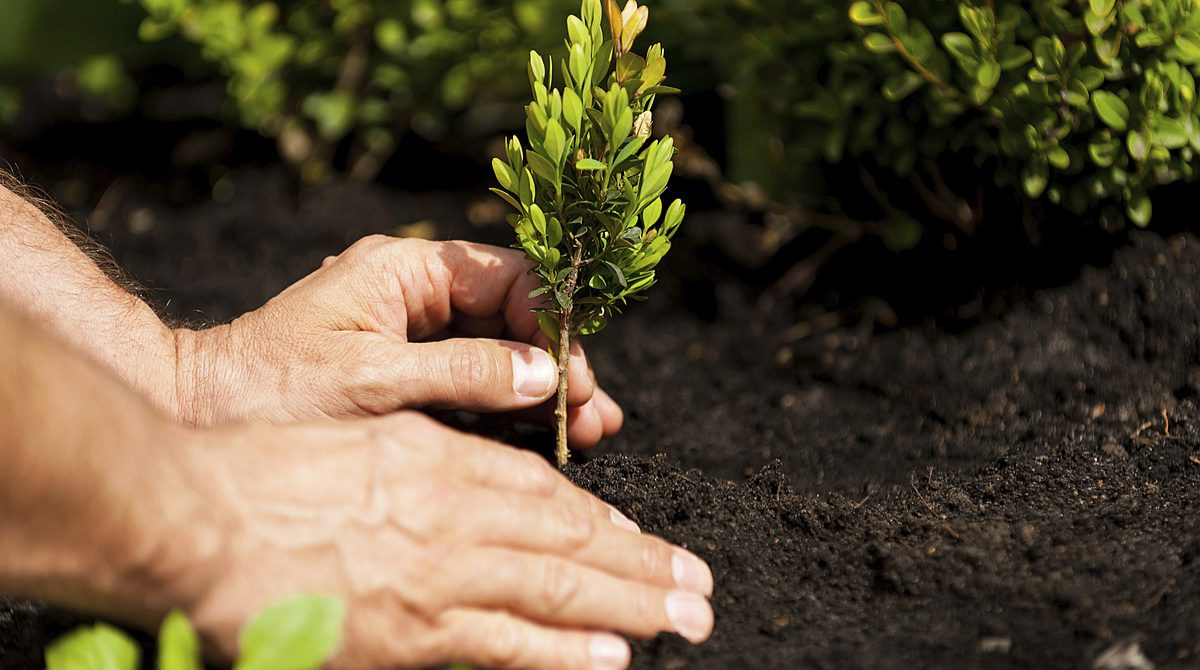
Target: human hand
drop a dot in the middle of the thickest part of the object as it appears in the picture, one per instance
(373, 330)
(444, 547)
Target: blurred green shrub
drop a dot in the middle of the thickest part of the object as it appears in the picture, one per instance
(313, 73)
(87, 41)
(1084, 103)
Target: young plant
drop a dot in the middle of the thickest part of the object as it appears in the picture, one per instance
(300, 633)
(588, 188)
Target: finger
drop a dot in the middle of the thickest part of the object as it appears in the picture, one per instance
(500, 640)
(560, 592)
(477, 375)
(612, 417)
(570, 527)
(476, 280)
(581, 382)
(586, 426)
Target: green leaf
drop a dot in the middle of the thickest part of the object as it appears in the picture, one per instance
(507, 198)
(542, 167)
(556, 142)
(864, 14)
(525, 188)
(1101, 7)
(590, 164)
(962, 47)
(878, 43)
(98, 647)
(548, 323)
(901, 85)
(1139, 209)
(300, 633)
(1138, 144)
(1111, 109)
(617, 274)
(1012, 56)
(391, 36)
(178, 646)
(1034, 178)
(572, 109)
(989, 74)
(538, 219)
(505, 174)
(1059, 158)
(1170, 133)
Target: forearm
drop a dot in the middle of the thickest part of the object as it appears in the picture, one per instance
(50, 280)
(91, 505)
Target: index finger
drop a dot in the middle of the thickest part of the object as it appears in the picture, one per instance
(477, 280)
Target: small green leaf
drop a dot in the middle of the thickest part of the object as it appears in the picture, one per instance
(504, 174)
(1111, 109)
(1140, 210)
(590, 164)
(1171, 133)
(617, 274)
(901, 85)
(98, 647)
(178, 646)
(863, 13)
(548, 323)
(878, 43)
(989, 74)
(300, 633)
(1034, 178)
(1138, 144)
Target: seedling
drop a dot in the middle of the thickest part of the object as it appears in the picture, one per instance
(299, 633)
(588, 188)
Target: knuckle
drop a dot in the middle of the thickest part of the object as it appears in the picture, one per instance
(645, 611)
(502, 646)
(656, 561)
(559, 585)
(539, 478)
(577, 532)
(470, 370)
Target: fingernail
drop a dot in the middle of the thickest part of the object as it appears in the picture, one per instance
(534, 373)
(608, 652)
(691, 573)
(622, 521)
(690, 614)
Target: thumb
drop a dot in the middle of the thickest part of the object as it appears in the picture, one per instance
(475, 374)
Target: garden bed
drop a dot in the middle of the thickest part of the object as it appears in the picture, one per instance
(1021, 491)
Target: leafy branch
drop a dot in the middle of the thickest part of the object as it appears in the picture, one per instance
(588, 188)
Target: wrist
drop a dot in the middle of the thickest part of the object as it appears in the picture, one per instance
(209, 376)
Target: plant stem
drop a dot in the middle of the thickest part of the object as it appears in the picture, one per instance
(562, 453)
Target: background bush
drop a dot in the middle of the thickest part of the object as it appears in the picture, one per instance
(1086, 104)
(315, 73)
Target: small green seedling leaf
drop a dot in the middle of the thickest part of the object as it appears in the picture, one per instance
(300, 633)
(1111, 109)
(178, 646)
(98, 647)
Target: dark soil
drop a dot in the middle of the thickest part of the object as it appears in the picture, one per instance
(1019, 492)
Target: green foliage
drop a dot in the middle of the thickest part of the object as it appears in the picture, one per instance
(300, 633)
(1086, 104)
(313, 73)
(588, 189)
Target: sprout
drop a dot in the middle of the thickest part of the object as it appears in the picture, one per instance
(587, 188)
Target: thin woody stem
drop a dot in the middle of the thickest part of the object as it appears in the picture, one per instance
(562, 452)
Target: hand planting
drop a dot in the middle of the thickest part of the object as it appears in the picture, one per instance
(539, 574)
(588, 187)
(389, 324)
